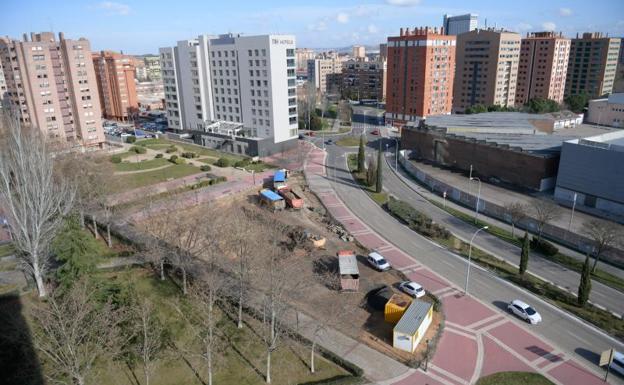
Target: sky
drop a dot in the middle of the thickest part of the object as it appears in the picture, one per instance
(142, 26)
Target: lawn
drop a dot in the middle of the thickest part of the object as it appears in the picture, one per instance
(131, 181)
(6, 250)
(514, 378)
(144, 165)
(379, 198)
(349, 141)
(161, 144)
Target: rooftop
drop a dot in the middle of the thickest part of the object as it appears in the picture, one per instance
(613, 141)
(413, 317)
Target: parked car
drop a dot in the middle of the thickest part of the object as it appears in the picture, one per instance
(301, 136)
(617, 365)
(412, 288)
(329, 142)
(375, 132)
(524, 311)
(378, 262)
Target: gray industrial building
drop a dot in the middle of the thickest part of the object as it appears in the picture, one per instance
(592, 169)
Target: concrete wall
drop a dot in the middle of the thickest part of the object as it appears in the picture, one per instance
(488, 161)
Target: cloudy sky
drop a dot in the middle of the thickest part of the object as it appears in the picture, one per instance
(141, 26)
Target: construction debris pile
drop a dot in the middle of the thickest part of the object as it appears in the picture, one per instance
(340, 231)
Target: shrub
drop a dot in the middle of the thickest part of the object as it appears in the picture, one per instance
(115, 159)
(201, 184)
(242, 163)
(189, 155)
(544, 247)
(173, 158)
(131, 139)
(221, 179)
(138, 149)
(416, 220)
(171, 149)
(158, 156)
(223, 162)
(205, 167)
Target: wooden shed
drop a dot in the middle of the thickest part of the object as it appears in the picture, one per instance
(349, 273)
(396, 307)
(412, 326)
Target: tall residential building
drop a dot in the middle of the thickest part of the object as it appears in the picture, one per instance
(52, 86)
(543, 67)
(152, 67)
(320, 73)
(455, 25)
(421, 65)
(303, 55)
(3, 87)
(358, 52)
(116, 84)
(383, 51)
(487, 68)
(592, 65)
(364, 80)
(248, 80)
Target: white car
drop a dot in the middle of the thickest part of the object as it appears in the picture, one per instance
(524, 311)
(378, 262)
(617, 365)
(412, 288)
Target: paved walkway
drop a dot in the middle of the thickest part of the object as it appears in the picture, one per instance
(478, 340)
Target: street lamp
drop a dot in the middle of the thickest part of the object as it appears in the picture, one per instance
(470, 257)
(478, 197)
(396, 154)
(572, 215)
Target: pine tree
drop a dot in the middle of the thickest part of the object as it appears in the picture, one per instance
(524, 254)
(361, 155)
(585, 286)
(378, 185)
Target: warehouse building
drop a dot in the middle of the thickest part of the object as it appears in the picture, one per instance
(591, 172)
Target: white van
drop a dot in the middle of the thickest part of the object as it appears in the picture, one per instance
(617, 365)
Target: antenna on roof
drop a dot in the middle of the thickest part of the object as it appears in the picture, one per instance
(486, 23)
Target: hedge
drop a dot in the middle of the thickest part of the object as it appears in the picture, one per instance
(205, 167)
(222, 162)
(189, 155)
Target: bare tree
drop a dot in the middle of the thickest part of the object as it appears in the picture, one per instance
(150, 336)
(108, 213)
(516, 212)
(544, 212)
(604, 234)
(35, 198)
(72, 332)
(156, 248)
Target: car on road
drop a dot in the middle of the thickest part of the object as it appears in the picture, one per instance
(329, 142)
(378, 262)
(375, 132)
(524, 311)
(412, 288)
(301, 136)
(309, 133)
(617, 365)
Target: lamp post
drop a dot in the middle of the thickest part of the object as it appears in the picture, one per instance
(470, 257)
(478, 197)
(572, 215)
(396, 154)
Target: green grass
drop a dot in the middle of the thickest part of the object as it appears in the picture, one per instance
(349, 141)
(131, 181)
(379, 198)
(6, 250)
(161, 144)
(259, 167)
(514, 378)
(144, 165)
(560, 258)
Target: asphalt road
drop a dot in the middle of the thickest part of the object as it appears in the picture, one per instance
(566, 332)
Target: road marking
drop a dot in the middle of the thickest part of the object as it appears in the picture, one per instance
(479, 364)
(475, 325)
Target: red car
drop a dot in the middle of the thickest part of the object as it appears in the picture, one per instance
(310, 133)
(375, 132)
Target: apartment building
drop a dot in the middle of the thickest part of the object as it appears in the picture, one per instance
(421, 65)
(358, 52)
(383, 51)
(487, 68)
(3, 87)
(321, 72)
(52, 86)
(231, 78)
(303, 55)
(593, 64)
(114, 73)
(362, 80)
(543, 66)
(455, 25)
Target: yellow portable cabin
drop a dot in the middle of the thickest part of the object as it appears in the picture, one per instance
(412, 326)
(395, 308)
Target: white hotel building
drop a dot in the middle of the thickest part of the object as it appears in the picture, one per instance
(246, 80)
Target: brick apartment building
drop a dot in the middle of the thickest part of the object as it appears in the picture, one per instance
(51, 84)
(420, 75)
(116, 84)
(593, 64)
(487, 68)
(543, 67)
(363, 80)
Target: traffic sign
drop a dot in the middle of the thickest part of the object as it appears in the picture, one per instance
(606, 357)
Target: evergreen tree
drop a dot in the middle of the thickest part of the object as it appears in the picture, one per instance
(524, 255)
(361, 155)
(585, 286)
(378, 185)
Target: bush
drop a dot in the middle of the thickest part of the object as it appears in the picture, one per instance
(201, 184)
(242, 163)
(115, 159)
(416, 220)
(205, 167)
(171, 149)
(189, 155)
(221, 179)
(131, 139)
(222, 162)
(158, 156)
(173, 158)
(544, 247)
(138, 149)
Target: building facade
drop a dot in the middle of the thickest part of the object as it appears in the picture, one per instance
(383, 51)
(358, 52)
(455, 25)
(52, 86)
(543, 67)
(420, 75)
(303, 55)
(593, 64)
(487, 69)
(364, 80)
(608, 111)
(3, 87)
(320, 72)
(116, 84)
(232, 78)
(152, 67)
(150, 95)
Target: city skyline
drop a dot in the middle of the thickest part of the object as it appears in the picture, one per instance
(322, 25)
